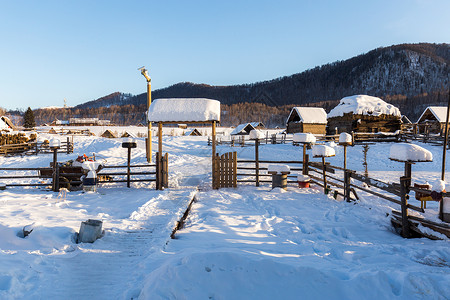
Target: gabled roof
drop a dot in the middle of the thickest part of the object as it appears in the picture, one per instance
(193, 132)
(309, 115)
(439, 112)
(243, 129)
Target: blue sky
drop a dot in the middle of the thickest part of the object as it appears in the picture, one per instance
(83, 50)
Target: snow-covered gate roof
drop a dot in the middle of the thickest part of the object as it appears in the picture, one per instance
(184, 110)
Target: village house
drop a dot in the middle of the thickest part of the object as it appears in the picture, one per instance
(243, 129)
(432, 120)
(362, 113)
(307, 119)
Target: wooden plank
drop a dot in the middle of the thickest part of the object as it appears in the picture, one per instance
(390, 188)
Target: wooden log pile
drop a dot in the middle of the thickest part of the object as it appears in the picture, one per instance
(7, 138)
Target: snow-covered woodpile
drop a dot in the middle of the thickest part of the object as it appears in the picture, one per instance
(307, 119)
(362, 113)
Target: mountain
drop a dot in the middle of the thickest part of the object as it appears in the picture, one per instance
(411, 76)
(407, 69)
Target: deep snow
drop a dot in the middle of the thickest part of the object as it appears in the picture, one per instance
(243, 243)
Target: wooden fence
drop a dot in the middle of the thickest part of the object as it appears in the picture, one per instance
(34, 148)
(225, 170)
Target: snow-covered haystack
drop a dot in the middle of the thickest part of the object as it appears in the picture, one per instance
(323, 151)
(364, 105)
(409, 152)
(304, 138)
(362, 113)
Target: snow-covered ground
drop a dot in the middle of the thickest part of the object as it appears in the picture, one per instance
(243, 243)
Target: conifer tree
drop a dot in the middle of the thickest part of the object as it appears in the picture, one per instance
(29, 119)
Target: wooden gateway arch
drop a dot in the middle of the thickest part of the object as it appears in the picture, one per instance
(186, 111)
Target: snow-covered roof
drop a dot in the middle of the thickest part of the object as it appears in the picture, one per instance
(310, 115)
(3, 125)
(363, 105)
(409, 152)
(439, 112)
(184, 110)
(240, 128)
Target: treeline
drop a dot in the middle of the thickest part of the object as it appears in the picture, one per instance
(234, 114)
(119, 115)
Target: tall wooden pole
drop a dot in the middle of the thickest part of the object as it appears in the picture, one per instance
(444, 154)
(149, 124)
(257, 160)
(214, 155)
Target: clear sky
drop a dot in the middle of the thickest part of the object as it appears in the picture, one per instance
(83, 50)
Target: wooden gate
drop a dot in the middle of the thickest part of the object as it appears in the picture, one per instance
(162, 171)
(225, 170)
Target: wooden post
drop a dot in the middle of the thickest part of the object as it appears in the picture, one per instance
(345, 157)
(55, 183)
(324, 176)
(408, 174)
(404, 202)
(257, 161)
(128, 167)
(305, 170)
(160, 129)
(441, 203)
(68, 146)
(347, 185)
(165, 170)
(234, 169)
(304, 151)
(214, 179)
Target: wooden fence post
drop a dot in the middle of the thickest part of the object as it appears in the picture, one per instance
(324, 172)
(165, 171)
(55, 183)
(128, 167)
(347, 187)
(305, 170)
(234, 169)
(257, 161)
(406, 233)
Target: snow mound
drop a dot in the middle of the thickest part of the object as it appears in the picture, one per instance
(279, 168)
(256, 134)
(323, 151)
(184, 110)
(409, 152)
(304, 138)
(363, 105)
(345, 138)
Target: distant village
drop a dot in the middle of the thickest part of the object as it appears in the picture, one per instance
(358, 113)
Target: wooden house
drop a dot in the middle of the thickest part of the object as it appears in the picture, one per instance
(193, 132)
(362, 113)
(128, 134)
(307, 119)
(108, 134)
(258, 125)
(432, 120)
(243, 129)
